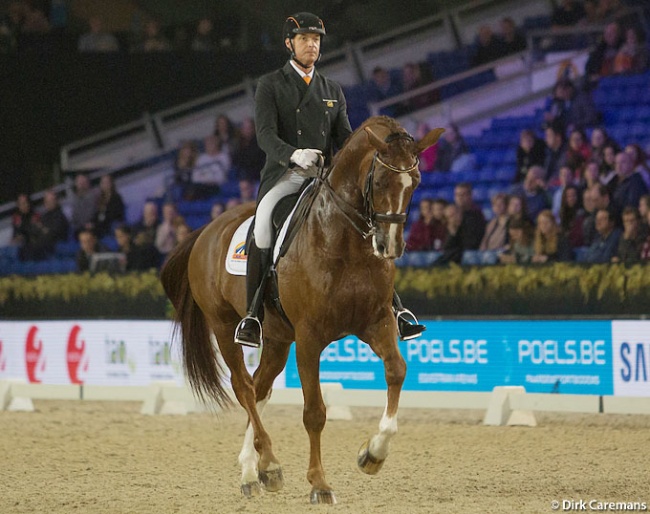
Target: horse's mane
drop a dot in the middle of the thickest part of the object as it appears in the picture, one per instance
(374, 121)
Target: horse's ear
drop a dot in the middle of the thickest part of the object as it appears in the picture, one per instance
(429, 140)
(380, 146)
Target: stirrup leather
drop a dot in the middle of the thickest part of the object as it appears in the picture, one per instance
(249, 332)
(408, 325)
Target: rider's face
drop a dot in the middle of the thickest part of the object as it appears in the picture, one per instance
(306, 48)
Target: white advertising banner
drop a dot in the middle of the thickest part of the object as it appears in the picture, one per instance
(121, 353)
(631, 349)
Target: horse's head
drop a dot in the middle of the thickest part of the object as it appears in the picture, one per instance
(389, 186)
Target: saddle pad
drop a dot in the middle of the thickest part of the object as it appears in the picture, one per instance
(236, 257)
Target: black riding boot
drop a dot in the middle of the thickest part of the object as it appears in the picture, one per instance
(407, 324)
(249, 330)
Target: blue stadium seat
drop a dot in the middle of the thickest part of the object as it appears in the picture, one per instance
(471, 258)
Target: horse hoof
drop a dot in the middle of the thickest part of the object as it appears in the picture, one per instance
(272, 480)
(251, 490)
(319, 496)
(366, 462)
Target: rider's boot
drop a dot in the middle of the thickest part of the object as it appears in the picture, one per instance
(408, 326)
(249, 330)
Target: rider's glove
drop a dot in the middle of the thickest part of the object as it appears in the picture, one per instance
(305, 157)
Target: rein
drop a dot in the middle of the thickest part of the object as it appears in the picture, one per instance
(365, 223)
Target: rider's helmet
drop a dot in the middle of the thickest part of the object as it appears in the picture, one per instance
(302, 23)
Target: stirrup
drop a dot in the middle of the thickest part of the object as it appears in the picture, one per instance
(408, 325)
(249, 332)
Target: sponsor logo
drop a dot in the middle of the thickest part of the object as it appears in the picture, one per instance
(3, 360)
(76, 357)
(239, 254)
(34, 356)
(160, 359)
(635, 361)
(117, 358)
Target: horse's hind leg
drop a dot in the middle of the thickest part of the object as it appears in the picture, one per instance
(256, 440)
(382, 339)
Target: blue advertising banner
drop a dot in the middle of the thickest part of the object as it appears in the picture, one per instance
(573, 357)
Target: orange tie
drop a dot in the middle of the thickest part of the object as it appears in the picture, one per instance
(307, 79)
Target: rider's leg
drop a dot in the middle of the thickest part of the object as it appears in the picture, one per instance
(407, 324)
(249, 330)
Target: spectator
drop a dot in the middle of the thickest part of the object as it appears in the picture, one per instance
(154, 40)
(577, 153)
(530, 152)
(639, 162)
(428, 157)
(382, 86)
(512, 40)
(645, 249)
(110, 207)
(247, 191)
(472, 226)
(452, 151)
(630, 187)
(50, 229)
(599, 139)
(605, 245)
(592, 16)
(567, 14)
(516, 209)
(211, 168)
(583, 112)
(533, 189)
(556, 110)
(555, 155)
(216, 210)
(166, 231)
(232, 203)
(84, 204)
(182, 231)
(11, 26)
(566, 180)
(97, 40)
(608, 176)
(140, 256)
(88, 246)
(632, 56)
(24, 222)
(550, 244)
(591, 175)
(594, 199)
(225, 131)
(631, 242)
(519, 249)
(145, 230)
(452, 249)
(488, 47)
(601, 59)
(496, 231)
(204, 38)
(184, 165)
(414, 76)
(572, 217)
(421, 236)
(247, 157)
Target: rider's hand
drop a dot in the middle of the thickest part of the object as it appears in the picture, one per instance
(305, 157)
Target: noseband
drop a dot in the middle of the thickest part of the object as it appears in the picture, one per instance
(370, 216)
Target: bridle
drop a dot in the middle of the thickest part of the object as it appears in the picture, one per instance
(366, 223)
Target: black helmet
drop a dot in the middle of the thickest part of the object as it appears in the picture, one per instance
(302, 23)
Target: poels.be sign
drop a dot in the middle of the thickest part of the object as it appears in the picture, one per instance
(89, 352)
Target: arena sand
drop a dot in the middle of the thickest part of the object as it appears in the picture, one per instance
(104, 457)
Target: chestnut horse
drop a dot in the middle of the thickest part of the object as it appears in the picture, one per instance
(336, 279)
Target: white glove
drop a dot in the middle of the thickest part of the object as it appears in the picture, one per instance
(305, 157)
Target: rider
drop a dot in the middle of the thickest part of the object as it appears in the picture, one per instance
(299, 116)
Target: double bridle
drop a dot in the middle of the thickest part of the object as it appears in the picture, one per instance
(366, 223)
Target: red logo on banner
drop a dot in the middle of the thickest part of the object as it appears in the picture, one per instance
(34, 358)
(75, 356)
(3, 360)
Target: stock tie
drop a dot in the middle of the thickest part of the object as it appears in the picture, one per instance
(307, 79)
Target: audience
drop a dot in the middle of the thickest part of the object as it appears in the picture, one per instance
(533, 190)
(182, 187)
(488, 47)
(572, 217)
(427, 233)
(204, 40)
(166, 231)
(452, 249)
(23, 222)
(630, 187)
(550, 243)
(530, 152)
(519, 249)
(567, 14)
(453, 153)
(496, 230)
(84, 204)
(247, 157)
(555, 156)
(601, 59)
(139, 254)
(632, 56)
(97, 39)
(512, 40)
(49, 229)
(153, 39)
(211, 168)
(382, 86)
(110, 207)
(88, 246)
(146, 229)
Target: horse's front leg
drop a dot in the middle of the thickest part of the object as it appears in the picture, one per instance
(382, 338)
(308, 359)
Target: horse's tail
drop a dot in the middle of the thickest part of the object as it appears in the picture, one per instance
(199, 354)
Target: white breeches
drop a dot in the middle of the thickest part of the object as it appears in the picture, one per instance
(288, 184)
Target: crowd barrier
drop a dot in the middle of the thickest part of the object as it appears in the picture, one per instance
(577, 366)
